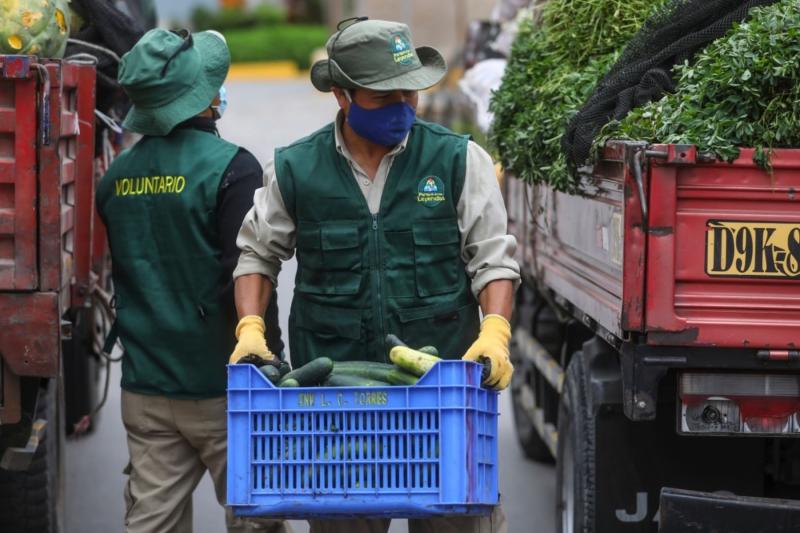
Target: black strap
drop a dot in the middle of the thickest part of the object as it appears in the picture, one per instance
(111, 338)
(188, 42)
(349, 22)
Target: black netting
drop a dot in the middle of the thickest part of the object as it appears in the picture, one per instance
(643, 72)
(107, 26)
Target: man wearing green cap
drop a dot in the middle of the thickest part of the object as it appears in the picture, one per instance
(172, 205)
(398, 225)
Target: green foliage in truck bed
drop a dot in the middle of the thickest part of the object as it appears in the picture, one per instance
(552, 70)
(742, 90)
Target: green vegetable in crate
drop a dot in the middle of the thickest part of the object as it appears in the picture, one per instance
(271, 373)
(34, 27)
(311, 373)
(348, 380)
(410, 360)
(429, 350)
(285, 368)
(289, 382)
(376, 371)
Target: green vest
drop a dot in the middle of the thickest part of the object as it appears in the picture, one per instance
(361, 276)
(158, 202)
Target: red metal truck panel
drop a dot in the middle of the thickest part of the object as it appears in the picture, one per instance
(84, 184)
(17, 178)
(30, 340)
(590, 249)
(723, 263)
(53, 177)
(66, 180)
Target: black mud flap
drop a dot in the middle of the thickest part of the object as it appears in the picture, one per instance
(686, 511)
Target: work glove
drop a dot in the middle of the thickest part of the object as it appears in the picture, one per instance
(492, 344)
(252, 342)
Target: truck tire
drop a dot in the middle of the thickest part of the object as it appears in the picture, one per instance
(31, 501)
(575, 464)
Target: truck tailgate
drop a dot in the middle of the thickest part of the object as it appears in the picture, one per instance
(723, 251)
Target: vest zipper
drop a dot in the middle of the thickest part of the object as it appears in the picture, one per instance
(379, 289)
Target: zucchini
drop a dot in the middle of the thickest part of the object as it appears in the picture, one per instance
(376, 371)
(311, 373)
(429, 350)
(412, 361)
(347, 380)
(290, 382)
(271, 373)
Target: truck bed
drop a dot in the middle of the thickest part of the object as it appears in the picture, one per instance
(713, 259)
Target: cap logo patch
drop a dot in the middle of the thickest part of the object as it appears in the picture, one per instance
(430, 191)
(401, 49)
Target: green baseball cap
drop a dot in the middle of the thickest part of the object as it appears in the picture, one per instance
(171, 77)
(377, 55)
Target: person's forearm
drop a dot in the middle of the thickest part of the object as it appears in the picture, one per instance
(496, 298)
(252, 293)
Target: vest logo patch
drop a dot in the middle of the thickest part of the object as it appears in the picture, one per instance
(401, 49)
(430, 191)
(149, 185)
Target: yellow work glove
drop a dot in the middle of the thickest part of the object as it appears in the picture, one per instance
(250, 334)
(492, 343)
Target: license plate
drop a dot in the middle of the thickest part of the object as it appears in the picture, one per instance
(753, 249)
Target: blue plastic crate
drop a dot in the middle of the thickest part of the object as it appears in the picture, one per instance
(425, 450)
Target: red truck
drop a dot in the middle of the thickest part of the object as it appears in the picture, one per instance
(54, 310)
(657, 340)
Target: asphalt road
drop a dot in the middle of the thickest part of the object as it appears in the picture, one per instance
(261, 116)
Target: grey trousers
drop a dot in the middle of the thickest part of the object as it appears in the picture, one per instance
(171, 444)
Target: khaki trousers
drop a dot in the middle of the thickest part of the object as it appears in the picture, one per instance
(494, 523)
(171, 444)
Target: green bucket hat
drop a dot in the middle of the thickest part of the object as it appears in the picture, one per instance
(171, 77)
(377, 55)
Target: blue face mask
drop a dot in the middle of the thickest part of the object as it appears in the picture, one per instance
(223, 102)
(386, 126)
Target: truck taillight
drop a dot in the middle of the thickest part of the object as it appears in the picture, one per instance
(764, 404)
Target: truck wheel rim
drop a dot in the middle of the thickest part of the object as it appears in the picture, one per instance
(567, 488)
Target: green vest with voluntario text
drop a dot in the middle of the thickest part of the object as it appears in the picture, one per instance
(361, 276)
(158, 201)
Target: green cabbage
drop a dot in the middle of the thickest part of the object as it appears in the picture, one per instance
(34, 27)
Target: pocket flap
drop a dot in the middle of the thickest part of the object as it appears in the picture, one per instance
(308, 236)
(338, 236)
(435, 311)
(323, 319)
(433, 232)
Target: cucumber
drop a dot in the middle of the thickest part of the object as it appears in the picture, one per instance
(347, 380)
(290, 382)
(393, 341)
(271, 373)
(376, 371)
(284, 368)
(429, 350)
(412, 361)
(311, 373)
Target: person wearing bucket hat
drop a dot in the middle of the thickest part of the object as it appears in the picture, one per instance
(172, 205)
(398, 226)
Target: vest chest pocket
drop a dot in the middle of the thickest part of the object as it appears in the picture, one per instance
(450, 326)
(319, 330)
(330, 258)
(437, 256)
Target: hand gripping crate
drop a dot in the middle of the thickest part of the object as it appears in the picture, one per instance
(425, 450)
